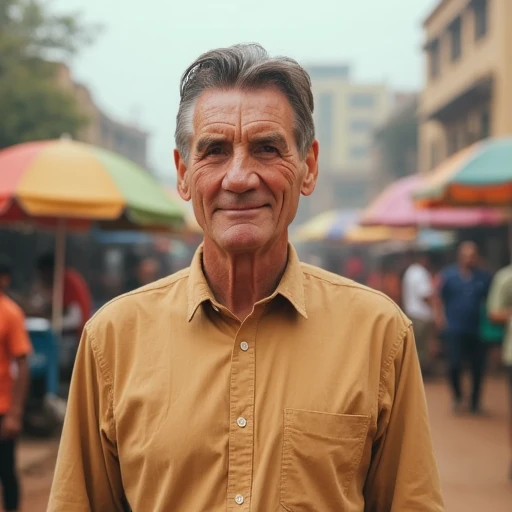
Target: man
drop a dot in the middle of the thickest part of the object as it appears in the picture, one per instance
(499, 306)
(77, 302)
(418, 302)
(146, 271)
(463, 291)
(14, 349)
(248, 381)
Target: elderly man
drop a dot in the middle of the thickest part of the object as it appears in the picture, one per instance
(248, 382)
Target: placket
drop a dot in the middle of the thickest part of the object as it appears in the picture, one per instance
(241, 426)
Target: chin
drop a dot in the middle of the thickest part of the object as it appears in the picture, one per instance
(243, 239)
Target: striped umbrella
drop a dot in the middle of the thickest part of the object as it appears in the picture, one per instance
(478, 175)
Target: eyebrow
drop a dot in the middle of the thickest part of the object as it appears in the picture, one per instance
(207, 141)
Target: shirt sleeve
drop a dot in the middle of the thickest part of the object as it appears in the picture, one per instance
(496, 299)
(443, 286)
(423, 283)
(403, 472)
(18, 339)
(87, 475)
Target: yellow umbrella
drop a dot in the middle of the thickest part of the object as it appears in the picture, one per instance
(376, 234)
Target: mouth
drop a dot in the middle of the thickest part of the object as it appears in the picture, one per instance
(243, 209)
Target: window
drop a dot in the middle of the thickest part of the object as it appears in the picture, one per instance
(325, 120)
(434, 60)
(434, 154)
(480, 8)
(452, 141)
(362, 100)
(485, 125)
(359, 152)
(456, 39)
(361, 126)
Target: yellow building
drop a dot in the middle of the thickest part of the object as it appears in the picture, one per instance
(468, 91)
(346, 115)
(101, 130)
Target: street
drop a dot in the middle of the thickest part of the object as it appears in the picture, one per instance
(472, 455)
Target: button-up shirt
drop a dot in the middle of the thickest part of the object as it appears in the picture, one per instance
(313, 403)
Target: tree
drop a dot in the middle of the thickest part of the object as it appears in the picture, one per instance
(32, 42)
(397, 142)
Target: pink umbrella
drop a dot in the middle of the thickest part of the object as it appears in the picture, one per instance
(395, 207)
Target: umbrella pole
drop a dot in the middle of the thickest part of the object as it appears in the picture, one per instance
(58, 277)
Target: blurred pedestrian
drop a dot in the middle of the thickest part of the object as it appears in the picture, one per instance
(499, 307)
(15, 346)
(418, 298)
(463, 289)
(249, 381)
(76, 307)
(77, 301)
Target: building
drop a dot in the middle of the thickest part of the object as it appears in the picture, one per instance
(101, 130)
(346, 114)
(467, 96)
(395, 144)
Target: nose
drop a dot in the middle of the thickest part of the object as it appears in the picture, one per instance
(240, 176)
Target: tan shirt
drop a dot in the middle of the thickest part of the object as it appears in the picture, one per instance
(314, 403)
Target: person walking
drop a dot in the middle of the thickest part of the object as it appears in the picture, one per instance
(463, 289)
(499, 307)
(249, 381)
(15, 346)
(418, 302)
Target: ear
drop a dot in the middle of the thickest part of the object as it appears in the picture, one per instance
(311, 175)
(181, 169)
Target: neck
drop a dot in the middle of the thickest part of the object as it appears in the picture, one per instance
(465, 270)
(239, 281)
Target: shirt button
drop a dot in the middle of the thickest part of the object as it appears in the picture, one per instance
(244, 346)
(239, 499)
(241, 422)
(215, 308)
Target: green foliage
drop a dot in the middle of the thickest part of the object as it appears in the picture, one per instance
(398, 142)
(32, 106)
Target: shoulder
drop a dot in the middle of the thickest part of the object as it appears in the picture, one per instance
(146, 299)
(11, 310)
(449, 272)
(503, 275)
(348, 295)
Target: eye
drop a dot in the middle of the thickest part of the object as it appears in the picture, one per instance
(267, 150)
(214, 150)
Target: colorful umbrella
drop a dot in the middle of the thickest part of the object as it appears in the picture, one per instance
(66, 179)
(376, 234)
(67, 184)
(329, 225)
(478, 175)
(395, 207)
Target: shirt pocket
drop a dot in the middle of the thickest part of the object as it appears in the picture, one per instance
(321, 453)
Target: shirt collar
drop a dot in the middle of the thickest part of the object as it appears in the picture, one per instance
(291, 285)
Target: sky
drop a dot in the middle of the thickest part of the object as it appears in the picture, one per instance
(134, 67)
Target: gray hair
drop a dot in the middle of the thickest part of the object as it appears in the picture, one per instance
(246, 67)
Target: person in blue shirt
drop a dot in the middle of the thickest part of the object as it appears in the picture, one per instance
(463, 290)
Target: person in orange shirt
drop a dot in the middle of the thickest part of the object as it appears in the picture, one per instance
(14, 348)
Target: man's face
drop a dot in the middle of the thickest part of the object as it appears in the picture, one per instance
(5, 282)
(244, 174)
(468, 255)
